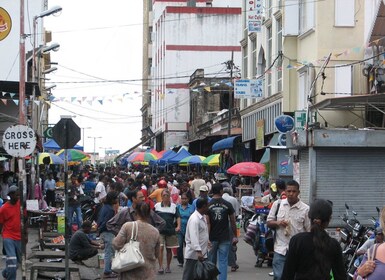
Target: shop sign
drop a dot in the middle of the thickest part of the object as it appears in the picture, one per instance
(5, 24)
(248, 89)
(284, 123)
(260, 137)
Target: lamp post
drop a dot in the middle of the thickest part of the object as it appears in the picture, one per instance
(98, 137)
(84, 128)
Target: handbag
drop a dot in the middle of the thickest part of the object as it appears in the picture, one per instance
(129, 257)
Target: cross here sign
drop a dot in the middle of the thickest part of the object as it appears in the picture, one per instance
(19, 140)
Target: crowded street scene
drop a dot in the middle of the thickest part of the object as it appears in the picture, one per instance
(192, 139)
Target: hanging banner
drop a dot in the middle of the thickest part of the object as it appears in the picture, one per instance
(260, 137)
(254, 15)
(248, 89)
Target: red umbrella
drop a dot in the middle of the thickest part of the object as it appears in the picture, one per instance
(247, 168)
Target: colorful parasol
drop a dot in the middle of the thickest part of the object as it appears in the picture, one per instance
(248, 168)
(212, 160)
(73, 155)
(141, 157)
(192, 160)
(53, 159)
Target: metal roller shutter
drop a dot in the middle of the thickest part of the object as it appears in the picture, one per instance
(304, 181)
(352, 175)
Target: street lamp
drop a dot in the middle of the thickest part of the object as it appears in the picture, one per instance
(105, 153)
(83, 128)
(98, 137)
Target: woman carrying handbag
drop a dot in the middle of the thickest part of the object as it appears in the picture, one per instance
(148, 238)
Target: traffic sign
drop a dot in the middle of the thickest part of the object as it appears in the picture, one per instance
(19, 140)
(66, 133)
(48, 133)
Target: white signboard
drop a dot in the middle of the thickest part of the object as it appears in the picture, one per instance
(248, 89)
(254, 15)
(19, 140)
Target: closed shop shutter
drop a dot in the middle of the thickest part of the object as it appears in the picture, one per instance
(352, 175)
(304, 181)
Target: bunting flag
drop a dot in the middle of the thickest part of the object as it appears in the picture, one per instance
(208, 89)
(16, 102)
(73, 99)
(12, 95)
(4, 101)
(100, 101)
(37, 102)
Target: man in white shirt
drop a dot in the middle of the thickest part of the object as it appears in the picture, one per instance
(288, 216)
(100, 190)
(49, 189)
(197, 183)
(197, 238)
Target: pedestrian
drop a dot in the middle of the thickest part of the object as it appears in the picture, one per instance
(148, 237)
(197, 183)
(106, 213)
(49, 189)
(373, 264)
(156, 195)
(197, 239)
(128, 214)
(169, 212)
(185, 210)
(11, 233)
(74, 192)
(312, 255)
(81, 246)
(289, 217)
(100, 190)
(221, 217)
(185, 188)
(203, 193)
(228, 196)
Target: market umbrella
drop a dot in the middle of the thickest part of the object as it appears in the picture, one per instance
(247, 168)
(53, 159)
(141, 157)
(73, 155)
(212, 160)
(192, 160)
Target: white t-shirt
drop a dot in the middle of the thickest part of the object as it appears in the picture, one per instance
(101, 189)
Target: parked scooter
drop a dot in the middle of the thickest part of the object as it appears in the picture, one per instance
(352, 237)
(89, 209)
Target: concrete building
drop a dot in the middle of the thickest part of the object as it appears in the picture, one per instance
(183, 36)
(336, 145)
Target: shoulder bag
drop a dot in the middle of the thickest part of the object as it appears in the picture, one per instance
(270, 234)
(129, 257)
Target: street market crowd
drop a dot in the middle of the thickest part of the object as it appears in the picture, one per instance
(187, 215)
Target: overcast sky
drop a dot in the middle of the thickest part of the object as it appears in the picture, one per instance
(99, 41)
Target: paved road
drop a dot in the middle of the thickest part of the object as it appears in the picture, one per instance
(246, 261)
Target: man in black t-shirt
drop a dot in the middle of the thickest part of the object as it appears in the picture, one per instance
(220, 214)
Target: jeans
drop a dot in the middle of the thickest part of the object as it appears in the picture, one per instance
(278, 264)
(220, 250)
(180, 248)
(13, 251)
(79, 218)
(108, 250)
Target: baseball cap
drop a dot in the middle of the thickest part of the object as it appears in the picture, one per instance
(273, 187)
(13, 189)
(203, 188)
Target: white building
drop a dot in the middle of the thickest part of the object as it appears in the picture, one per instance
(185, 36)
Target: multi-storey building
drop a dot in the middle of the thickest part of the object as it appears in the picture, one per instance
(322, 63)
(183, 36)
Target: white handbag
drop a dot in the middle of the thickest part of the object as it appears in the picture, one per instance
(129, 257)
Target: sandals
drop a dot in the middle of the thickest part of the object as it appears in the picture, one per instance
(168, 270)
(161, 270)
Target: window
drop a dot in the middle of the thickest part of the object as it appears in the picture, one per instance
(269, 58)
(303, 89)
(268, 8)
(254, 62)
(279, 49)
(343, 81)
(344, 13)
(306, 15)
(244, 62)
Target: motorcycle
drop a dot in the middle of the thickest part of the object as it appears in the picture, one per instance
(89, 209)
(247, 215)
(352, 237)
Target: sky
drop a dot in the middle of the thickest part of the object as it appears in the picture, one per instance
(100, 41)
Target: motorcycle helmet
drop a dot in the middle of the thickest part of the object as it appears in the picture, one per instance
(162, 184)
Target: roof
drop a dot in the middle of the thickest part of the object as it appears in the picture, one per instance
(13, 87)
(350, 102)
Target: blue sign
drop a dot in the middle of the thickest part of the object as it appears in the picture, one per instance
(284, 123)
(282, 140)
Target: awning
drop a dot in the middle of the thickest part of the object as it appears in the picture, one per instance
(226, 143)
(266, 156)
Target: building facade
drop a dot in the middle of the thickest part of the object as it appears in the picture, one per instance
(185, 36)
